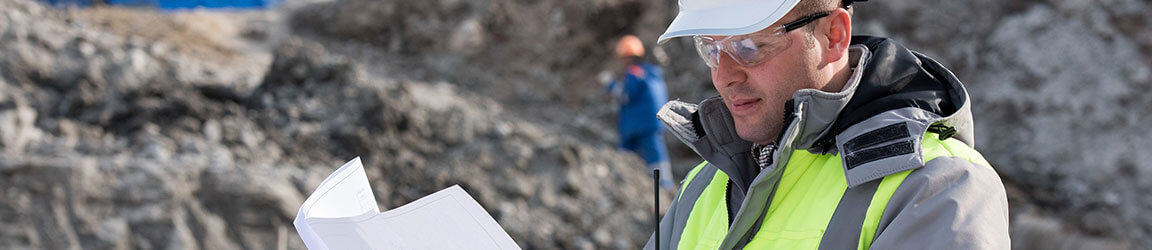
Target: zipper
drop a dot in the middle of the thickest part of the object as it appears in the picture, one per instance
(727, 202)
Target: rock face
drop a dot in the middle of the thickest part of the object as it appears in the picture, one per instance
(1057, 89)
(116, 135)
(107, 144)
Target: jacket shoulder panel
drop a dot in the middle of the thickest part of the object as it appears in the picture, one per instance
(885, 144)
(952, 201)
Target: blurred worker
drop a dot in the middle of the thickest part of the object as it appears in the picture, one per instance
(822, 140)
(640, 90)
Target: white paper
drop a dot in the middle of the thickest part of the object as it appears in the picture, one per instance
(342, 214)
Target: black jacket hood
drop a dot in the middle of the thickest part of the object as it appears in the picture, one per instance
(897, 77)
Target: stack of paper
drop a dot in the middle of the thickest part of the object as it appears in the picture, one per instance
(342, 214)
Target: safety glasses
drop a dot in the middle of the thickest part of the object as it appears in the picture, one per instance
(751, 49)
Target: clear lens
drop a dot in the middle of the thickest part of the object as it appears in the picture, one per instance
(708, 50)
(746, 50)
(750, 51)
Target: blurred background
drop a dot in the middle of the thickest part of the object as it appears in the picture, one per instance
(200, 124)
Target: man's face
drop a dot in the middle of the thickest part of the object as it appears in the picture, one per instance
(756, 95)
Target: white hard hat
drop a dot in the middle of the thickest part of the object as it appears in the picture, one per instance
(727, 17)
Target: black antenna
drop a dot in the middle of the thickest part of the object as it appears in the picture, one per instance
(656, 212)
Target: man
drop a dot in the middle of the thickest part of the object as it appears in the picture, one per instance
(640, 91)
(824, 140)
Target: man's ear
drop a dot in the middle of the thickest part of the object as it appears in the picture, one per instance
(838, 32)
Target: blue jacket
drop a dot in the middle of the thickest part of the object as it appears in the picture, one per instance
(641, 93)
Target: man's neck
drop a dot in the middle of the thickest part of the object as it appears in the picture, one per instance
(840, 78)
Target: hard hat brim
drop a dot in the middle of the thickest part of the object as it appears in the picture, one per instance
(726, 19)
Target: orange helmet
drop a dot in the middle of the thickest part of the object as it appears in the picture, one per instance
(628, 46)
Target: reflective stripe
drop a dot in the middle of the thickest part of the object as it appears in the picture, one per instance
(688, 179)
(876, 208)
(708, 217)
(850, 211)
(689, 197)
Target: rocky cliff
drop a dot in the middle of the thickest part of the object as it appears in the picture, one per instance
(124, 129)
(115, 139)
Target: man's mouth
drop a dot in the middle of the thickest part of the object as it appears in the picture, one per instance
(744, 104)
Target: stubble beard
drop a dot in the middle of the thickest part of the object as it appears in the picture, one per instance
(762, 130)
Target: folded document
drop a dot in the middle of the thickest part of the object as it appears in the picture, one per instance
(342, 214)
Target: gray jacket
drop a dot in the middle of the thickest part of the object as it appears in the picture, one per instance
(894, 95)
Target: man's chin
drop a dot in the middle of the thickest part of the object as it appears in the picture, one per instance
(757, 133)
(752, 136)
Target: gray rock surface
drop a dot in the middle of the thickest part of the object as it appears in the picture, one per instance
(199, 133)
(1058, 88)
(107, 143)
